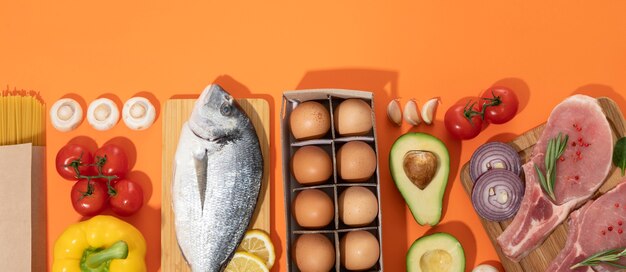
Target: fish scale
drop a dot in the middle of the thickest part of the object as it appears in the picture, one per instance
(214, 196)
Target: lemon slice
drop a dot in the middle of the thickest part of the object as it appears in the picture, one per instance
(259, 243)
(246, 262)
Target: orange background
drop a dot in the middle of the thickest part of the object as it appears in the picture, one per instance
(545, 50)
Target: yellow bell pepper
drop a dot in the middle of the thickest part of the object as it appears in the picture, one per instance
(100, 244)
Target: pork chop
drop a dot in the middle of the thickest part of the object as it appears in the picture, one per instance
(597, 226)
(581, 170)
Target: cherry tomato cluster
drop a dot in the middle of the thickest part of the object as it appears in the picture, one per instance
(497, 105)
(101, 180)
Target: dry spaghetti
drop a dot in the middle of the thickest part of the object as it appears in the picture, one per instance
(21, 118)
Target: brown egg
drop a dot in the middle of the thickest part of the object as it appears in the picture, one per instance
(353, 117)
(314, 253)
(358, 206)
(313, 209)
(309, 120)
(356, 161)
(311, 165)
(359, 250)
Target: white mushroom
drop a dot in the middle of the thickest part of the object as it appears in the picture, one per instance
(485, 268)
(138, 113)
(66, 114)
(103, 114)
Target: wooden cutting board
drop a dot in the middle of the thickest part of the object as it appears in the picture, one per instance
(541, 257)
(177, 112)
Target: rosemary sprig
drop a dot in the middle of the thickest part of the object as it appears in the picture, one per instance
(608, 257)
(555, 149)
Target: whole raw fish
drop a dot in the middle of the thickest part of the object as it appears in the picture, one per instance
(217, 177)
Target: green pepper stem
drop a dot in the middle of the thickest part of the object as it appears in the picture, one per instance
(119, 250)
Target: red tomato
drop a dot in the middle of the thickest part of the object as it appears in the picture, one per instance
(501, 103)
(89, 198)
(116, 163)
(463, 121)
(73, 153)
(127, 199)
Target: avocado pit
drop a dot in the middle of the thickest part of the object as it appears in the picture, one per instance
(420, 167)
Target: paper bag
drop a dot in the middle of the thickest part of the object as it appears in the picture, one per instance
(22, 208)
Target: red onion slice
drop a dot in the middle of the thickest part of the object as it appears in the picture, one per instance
(494, 155)
(497, 194)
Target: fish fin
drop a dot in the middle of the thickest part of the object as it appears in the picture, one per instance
(201, 160)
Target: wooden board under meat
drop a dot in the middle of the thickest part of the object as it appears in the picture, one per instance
(177, 112)
(540, 258)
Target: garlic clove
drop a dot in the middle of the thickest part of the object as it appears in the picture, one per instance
(394, 113)
(138, 113)
(430, 109)
(103, 114)
(66, 114)
(411, 113)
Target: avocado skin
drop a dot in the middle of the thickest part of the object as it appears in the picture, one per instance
(439, 240)
(425, 205)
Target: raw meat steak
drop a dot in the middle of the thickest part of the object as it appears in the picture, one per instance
(597, 226)
(581, 170)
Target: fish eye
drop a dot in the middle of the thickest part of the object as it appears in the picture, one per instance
(225, 109)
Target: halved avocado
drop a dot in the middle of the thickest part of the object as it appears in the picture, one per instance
(419, 165)
(439, 252)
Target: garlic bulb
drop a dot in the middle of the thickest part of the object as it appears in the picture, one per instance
(66, 114)
(429, 109)
(394, 113)
(411, 113)
(103, 114)
(138, 113)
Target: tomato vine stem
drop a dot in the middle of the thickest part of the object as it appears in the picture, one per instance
(100, 161)
(468, 111)
(494, 101)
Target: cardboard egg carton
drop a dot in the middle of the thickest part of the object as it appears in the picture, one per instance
(331, 142)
